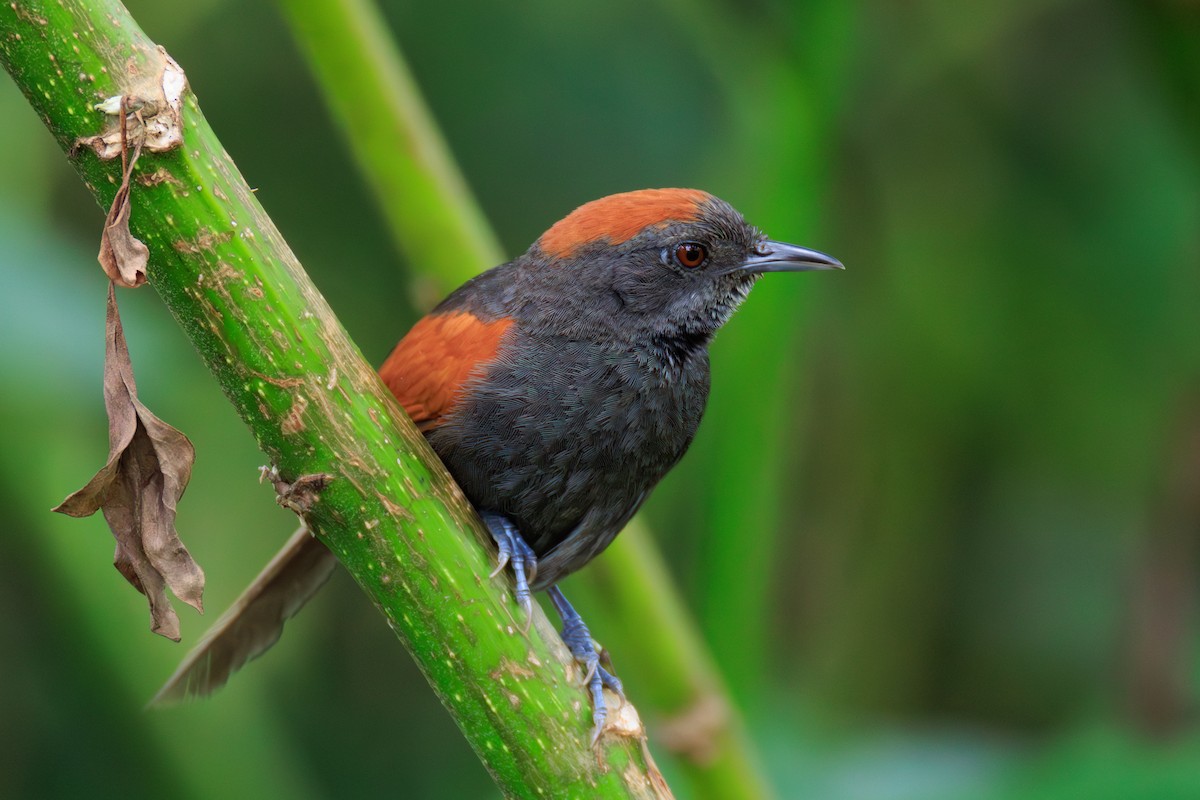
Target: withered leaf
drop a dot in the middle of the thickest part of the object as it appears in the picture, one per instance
(122, 256)
(149, 465)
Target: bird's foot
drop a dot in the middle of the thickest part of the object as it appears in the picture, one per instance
(518, 555)
(578, 639)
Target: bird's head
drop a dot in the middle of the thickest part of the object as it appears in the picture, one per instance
(659, 262)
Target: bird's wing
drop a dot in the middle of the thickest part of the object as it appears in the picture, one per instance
(429, 369)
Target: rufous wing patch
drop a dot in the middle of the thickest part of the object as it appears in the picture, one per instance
(619, 217)
(429, 368)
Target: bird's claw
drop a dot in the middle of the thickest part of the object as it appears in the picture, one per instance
(597, 680)
(518, 555)
(578, 639)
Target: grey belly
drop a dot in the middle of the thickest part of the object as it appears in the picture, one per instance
(565, 438)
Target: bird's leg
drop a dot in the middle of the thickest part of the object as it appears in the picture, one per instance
(515, 553)
(578, 638)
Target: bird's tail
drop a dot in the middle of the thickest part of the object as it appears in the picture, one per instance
(255, 620)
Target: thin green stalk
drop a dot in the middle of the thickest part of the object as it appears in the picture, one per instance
(782, 167)
(391, 513)
(431, 214)
(358, 69)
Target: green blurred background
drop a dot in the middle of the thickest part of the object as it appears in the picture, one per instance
(941, 523)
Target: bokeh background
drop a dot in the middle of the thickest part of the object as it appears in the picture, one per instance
(940, 526)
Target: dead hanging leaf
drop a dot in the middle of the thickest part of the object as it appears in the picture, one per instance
(149, 465)
(122, 256)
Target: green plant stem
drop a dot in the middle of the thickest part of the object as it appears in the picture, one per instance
(366, 83)
(431, 213)
(782, 166)
(391, 513)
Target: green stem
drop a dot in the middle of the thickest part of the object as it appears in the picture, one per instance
(391, 514)
(782, 166)
(365, 82)
(431, 213)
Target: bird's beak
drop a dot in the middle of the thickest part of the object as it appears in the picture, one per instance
(771, 256)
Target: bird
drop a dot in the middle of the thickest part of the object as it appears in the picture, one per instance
(557, 389)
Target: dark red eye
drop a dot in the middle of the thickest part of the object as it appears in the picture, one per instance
(691, 254)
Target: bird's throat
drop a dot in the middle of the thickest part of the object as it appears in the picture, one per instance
(675, 348)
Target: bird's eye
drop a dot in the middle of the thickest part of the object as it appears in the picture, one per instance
(691, 254)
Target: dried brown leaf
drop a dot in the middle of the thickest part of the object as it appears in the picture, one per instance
(122, 256)
(149, 465)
